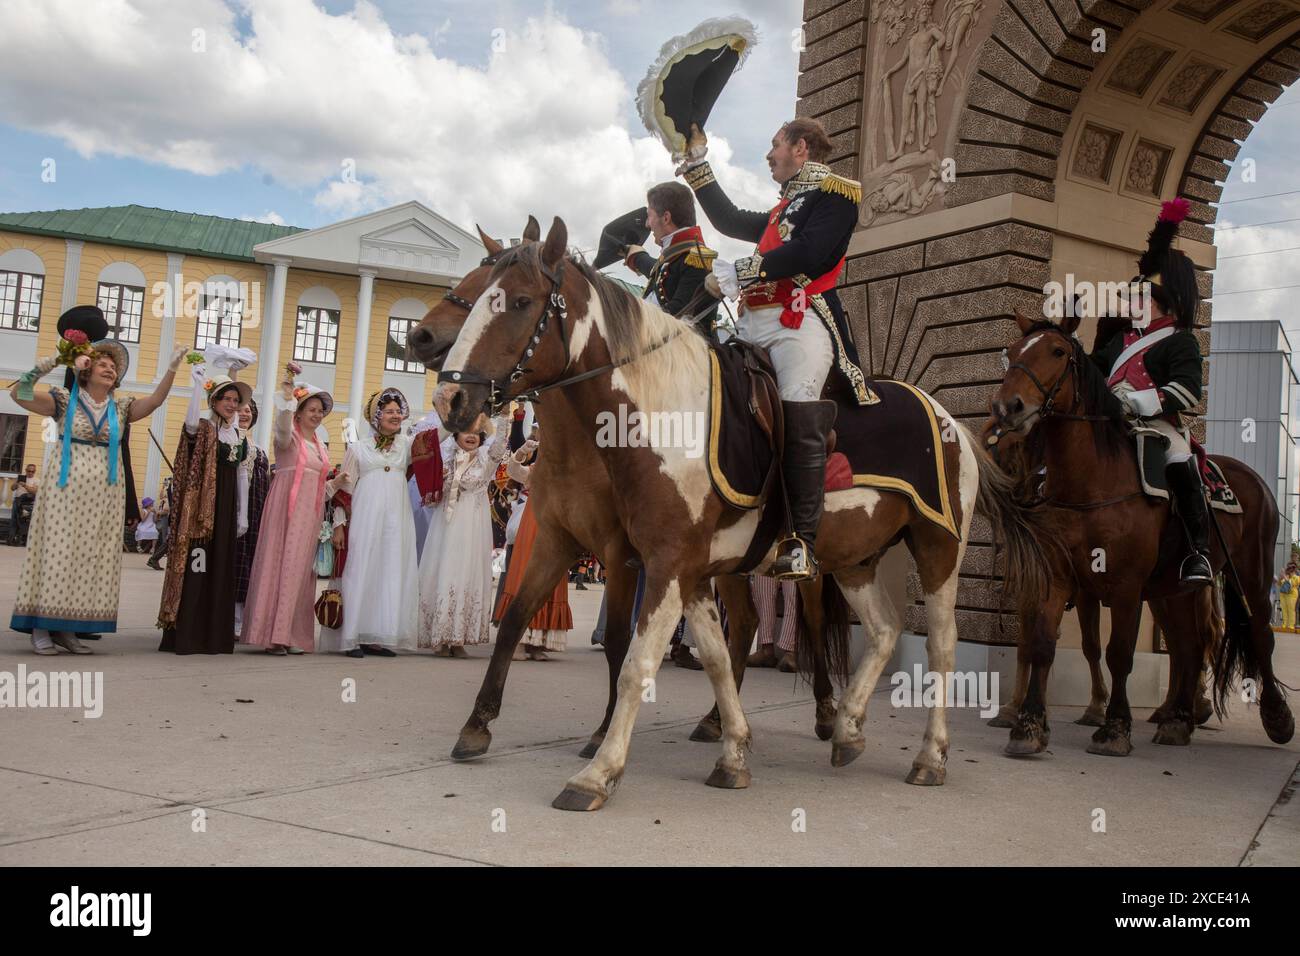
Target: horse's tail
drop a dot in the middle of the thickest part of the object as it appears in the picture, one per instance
(835, 615)
(1235, 657)
(1027, 532)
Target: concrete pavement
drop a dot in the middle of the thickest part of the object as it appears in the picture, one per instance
(255, 760)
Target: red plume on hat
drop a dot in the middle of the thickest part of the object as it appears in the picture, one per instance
(1172, 212)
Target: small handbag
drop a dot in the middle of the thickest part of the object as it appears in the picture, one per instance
(329, 608)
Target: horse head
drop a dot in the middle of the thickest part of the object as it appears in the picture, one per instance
(1040, 376)
(431, 340)
(518, 334)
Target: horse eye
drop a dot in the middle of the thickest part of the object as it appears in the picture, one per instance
(1006, 362)
(522, 303)
(1058, 352)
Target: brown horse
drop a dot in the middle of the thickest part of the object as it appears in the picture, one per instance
(1022, 458)
(595, 527)
(548, 323)
(1118, 547)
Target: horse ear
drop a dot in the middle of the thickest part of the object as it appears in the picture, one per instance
(557, 242)
(491, 245)
(1070, 324)
(1025, 323)
(532, 231)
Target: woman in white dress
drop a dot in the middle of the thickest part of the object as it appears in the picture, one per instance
(379, 585)
(456, 566)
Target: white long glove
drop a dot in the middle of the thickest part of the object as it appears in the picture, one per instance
(241, 525)
(1143, 404)
(728, 281)
(197, 377)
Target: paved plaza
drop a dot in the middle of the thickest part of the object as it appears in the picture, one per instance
(286, 772)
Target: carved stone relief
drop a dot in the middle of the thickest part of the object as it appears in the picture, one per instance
(1146, 168)
(1262, 20)
(1094, 156)
(1189, 85)
(1203, 11)
(1138, 67)
(919, 51)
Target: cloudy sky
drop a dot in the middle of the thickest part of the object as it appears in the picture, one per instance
(485, 110)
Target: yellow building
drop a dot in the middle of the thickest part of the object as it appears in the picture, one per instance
(339, 300)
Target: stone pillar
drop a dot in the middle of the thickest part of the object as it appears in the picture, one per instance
(357, 393)
(71, 273)
(268, 367)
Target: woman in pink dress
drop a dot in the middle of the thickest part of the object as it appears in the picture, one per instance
(279, 614)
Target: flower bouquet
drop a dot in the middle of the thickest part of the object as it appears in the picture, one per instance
(75, 350)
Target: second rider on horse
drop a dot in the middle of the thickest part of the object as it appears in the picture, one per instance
(1155, 371)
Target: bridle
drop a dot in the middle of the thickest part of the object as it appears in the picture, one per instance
(1048, 409)
(556, 307)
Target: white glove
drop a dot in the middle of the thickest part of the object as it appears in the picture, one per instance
(728, 281)
(1145, 403)
(711, 286)
(697, 149)
(199, 374)
(241, 528)
(177, 354)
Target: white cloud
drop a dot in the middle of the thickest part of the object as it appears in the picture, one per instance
(540, 130)
(270, 216)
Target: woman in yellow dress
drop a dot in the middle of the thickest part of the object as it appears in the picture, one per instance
(1288, 589)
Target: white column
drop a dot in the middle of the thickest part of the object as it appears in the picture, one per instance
(166, 342)
(365, 295)
(71, 273)
(268, 359)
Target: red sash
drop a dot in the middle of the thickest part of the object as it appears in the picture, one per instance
(786, 292)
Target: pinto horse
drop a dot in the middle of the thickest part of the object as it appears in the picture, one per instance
(593, 523)
(1120, 547)
(550, 324)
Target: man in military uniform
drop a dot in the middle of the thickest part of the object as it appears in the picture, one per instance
(800, 251)
(1155, 371)
(675, 279)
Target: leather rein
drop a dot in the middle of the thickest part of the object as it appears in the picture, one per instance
(556, 308)
(1048, 409)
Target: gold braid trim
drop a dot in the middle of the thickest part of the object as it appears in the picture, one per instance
(697, 177)
(850, 189)
(701, 258)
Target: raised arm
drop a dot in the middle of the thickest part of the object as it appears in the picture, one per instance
(144, 407)
(722, 212)
(23, 391)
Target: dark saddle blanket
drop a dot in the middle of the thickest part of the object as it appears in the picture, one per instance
(1151, 447)
(893, 445)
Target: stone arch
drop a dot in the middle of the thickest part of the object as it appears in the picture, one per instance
(938, 264)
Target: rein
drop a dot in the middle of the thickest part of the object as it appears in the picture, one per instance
(557, 307)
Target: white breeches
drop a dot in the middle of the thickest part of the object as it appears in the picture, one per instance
(1179, 449)
(802, 357)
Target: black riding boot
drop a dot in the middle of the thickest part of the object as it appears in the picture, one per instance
(1185, 483)
(803, 464)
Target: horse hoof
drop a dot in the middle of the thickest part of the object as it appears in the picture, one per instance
(1002, 723)
(1110, 742)
(706, 732)
(1091, 718)
(1280, 728)
(1173, 733)
(843, 754)
(725, 779)
(1204, 710)
(824, 731)
(589, 750)
(926, 776)
(1025, 746)
(471, 744)
(579, 800)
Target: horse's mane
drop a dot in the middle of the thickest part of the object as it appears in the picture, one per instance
(633, 328)
(1095, 396)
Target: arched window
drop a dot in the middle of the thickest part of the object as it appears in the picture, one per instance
(402, 317)
(221, 313)
(317, 336)
(121, 297)
(22, 283)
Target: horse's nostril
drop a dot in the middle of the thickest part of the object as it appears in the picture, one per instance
(421, 337)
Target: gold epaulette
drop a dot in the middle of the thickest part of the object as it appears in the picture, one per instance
(850, 189)
(701, 257)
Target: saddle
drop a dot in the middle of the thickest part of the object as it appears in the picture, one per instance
(1151, 449)
(894, 445)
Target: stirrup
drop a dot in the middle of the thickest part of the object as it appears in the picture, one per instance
(1196, 569)
(800, 564)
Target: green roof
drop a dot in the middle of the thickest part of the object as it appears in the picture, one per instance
(143, 227)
